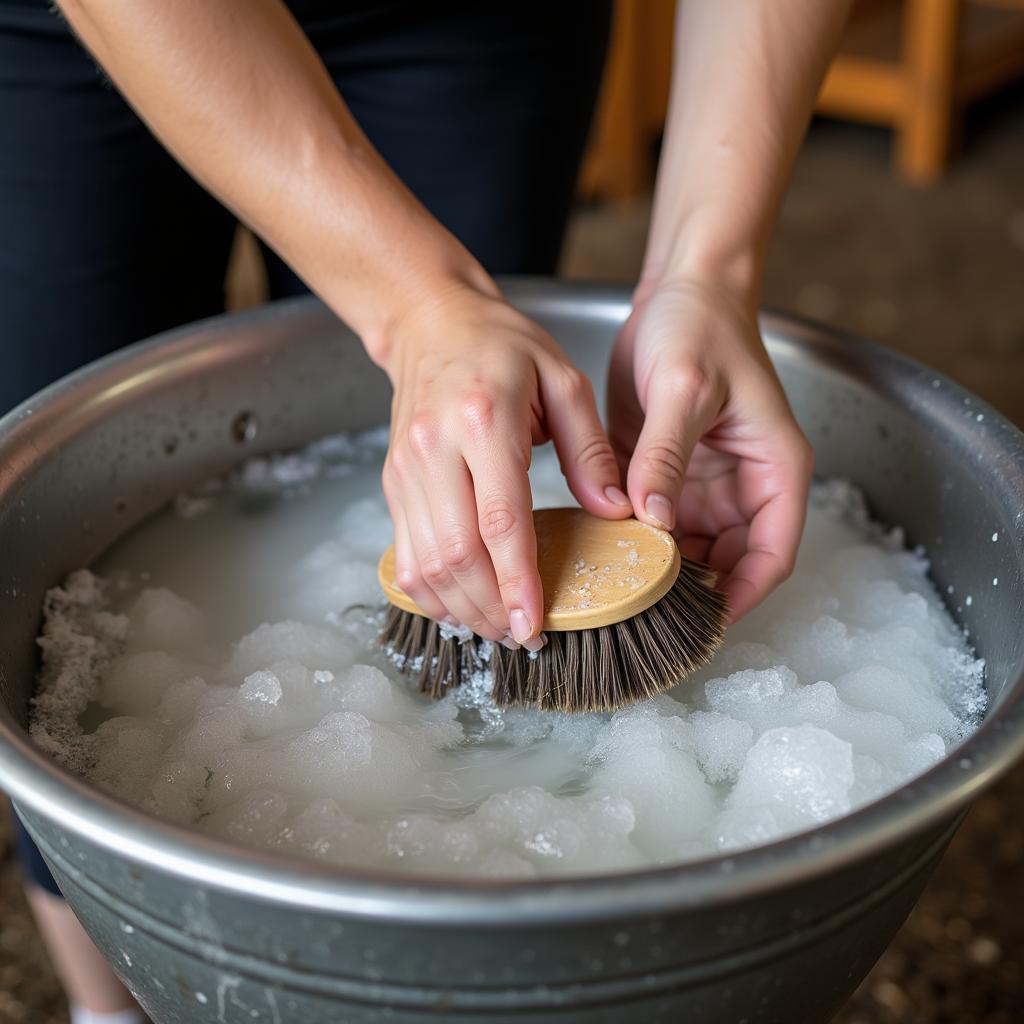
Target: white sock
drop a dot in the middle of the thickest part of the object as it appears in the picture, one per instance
(80, 1015)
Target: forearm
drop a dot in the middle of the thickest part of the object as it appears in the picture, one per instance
(745, 76)
(238, 95)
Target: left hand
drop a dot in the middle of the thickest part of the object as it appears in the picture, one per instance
(705, 437)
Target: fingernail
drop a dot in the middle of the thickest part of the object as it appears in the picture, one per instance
(659, 508)
(510, 644)
(520, 625)
(450, 620)
(615, 496)
(536, 644)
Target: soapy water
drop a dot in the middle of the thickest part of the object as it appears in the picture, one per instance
(218, 668)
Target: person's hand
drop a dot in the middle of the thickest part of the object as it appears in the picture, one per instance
(476, 386)
(705, 436)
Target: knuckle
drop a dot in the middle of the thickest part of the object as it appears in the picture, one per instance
(781, 562)
(510, 581)
(575, 385)
(787, 563)
(497, 520)
(434, 571)
(477, 411)
(574, 382)
(691, 385)
(595, 452)
(665, 459)
(458, 554)
(423, 435)
(397, 465)
(408, 578)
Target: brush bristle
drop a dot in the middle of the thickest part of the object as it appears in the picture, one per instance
(419, 648)
(584, 670)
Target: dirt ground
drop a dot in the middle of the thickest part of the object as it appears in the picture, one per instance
(939, 274)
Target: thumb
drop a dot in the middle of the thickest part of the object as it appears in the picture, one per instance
(584, 450)
(681, 406)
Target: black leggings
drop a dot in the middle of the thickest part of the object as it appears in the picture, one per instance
(481, 108)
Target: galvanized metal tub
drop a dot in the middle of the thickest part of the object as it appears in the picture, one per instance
(203, 931)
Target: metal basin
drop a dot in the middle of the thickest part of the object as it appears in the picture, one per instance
(203, 931)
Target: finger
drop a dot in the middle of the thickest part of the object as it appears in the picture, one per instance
(728, 548)
(625, 416)
(695, 547)
(772, 542)
(454, 512)
(584, 450)
(681, 407)
(504, 503)
(407, 569)
(435, 569)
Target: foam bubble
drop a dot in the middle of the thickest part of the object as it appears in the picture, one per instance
(801, 775)
(136, 683)
(299, 736)
(162, 621)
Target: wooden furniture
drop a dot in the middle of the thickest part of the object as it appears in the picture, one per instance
(911, 65)
(620, 160)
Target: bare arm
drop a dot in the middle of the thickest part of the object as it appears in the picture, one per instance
(235, 91)
(698, 419)
(744, 80)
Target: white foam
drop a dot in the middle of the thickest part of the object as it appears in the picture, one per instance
(240, 692)
(161, 621)
(803, 774)
(136, 683)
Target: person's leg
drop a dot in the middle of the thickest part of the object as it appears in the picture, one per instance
(105, 239)
(482, 109)
(95, 992)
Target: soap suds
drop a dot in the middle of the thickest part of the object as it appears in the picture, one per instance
(244, 695)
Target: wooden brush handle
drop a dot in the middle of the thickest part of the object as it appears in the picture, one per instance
(595, 572)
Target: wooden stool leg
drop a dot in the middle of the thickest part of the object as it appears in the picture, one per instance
(929, 49)
(614, 168)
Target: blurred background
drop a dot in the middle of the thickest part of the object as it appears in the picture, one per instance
(904, 222)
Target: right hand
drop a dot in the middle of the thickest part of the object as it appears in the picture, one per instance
(476, 385)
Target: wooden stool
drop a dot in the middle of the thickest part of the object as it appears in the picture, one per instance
(910, 65)
(915, 65)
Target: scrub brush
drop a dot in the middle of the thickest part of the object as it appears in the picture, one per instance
(626, 617)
